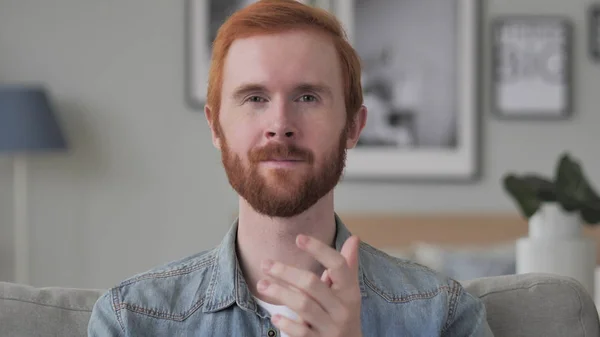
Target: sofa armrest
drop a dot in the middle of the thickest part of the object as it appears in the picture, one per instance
(536, 305)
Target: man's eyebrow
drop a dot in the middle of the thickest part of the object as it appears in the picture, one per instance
(315, 87)
(246, 89)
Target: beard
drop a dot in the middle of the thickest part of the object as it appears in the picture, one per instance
(283, 192)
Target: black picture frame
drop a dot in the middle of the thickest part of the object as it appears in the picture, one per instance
(594, 31)
(530, 82)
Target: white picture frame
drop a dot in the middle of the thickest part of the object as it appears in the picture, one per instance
(433, 163)
(457, 164)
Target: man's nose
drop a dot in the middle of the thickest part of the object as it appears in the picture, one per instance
(281, 123)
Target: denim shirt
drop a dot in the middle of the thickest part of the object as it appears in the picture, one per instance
(206, 295)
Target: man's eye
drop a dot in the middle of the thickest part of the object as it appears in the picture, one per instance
(255, 99)
(308, 98)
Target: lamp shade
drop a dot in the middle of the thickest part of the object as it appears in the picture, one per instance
(27, 122)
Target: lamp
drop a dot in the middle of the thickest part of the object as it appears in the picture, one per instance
(27, 124)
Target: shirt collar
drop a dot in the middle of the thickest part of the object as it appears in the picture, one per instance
(227, 284)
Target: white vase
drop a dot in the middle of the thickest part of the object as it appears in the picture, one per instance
(556, 245)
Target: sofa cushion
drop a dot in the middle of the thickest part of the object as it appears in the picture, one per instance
(32, 312)
(536, 305)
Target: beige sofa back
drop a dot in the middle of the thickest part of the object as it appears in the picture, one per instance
(518, 305)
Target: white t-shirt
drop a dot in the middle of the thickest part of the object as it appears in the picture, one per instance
(277, 309)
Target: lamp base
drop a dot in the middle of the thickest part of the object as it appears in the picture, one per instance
(21, 227)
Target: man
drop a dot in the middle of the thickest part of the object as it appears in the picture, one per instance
(284, 104)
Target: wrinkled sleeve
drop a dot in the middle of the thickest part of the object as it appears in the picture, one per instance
(467, 316)
(104, 321)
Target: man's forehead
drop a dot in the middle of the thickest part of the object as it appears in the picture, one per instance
(282, 59)
(308, 36)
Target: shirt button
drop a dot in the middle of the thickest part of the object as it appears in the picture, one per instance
(272, 333)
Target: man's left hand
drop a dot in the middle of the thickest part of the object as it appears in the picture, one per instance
(325, 310)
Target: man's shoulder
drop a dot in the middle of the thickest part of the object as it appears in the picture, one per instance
(173, 289)
(438, 299)
(399, 279)
(196, 263)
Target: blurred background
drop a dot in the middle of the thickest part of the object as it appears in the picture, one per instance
(141, 183)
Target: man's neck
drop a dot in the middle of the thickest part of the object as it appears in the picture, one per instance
(260, 237)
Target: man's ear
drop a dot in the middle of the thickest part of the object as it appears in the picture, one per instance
(215, 131)
(355, 129)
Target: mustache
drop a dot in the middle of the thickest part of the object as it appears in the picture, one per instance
(280, 151)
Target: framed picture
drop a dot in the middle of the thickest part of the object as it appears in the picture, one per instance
(419, 86)
(594, 31)
(532, 67)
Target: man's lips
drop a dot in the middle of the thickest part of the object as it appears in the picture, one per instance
(282, 162)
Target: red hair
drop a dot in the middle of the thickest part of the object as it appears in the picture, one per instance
(275, 16)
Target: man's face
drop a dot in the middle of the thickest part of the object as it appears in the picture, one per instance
(282, 125)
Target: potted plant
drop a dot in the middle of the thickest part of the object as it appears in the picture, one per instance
(557, 208)
(569, 188)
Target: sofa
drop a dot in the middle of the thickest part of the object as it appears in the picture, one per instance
(517, 305)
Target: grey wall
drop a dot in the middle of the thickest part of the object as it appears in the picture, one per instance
(142, 184)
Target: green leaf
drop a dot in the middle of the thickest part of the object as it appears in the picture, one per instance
(524, 193)
(590, 211)
(590, 216)
(544, 188)
(573, 189)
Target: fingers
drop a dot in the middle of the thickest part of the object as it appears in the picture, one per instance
(291, 327)
(350, 252)
(343, 273)
(305, 281)
(303, 305)
(328, 305)
(325, 278)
